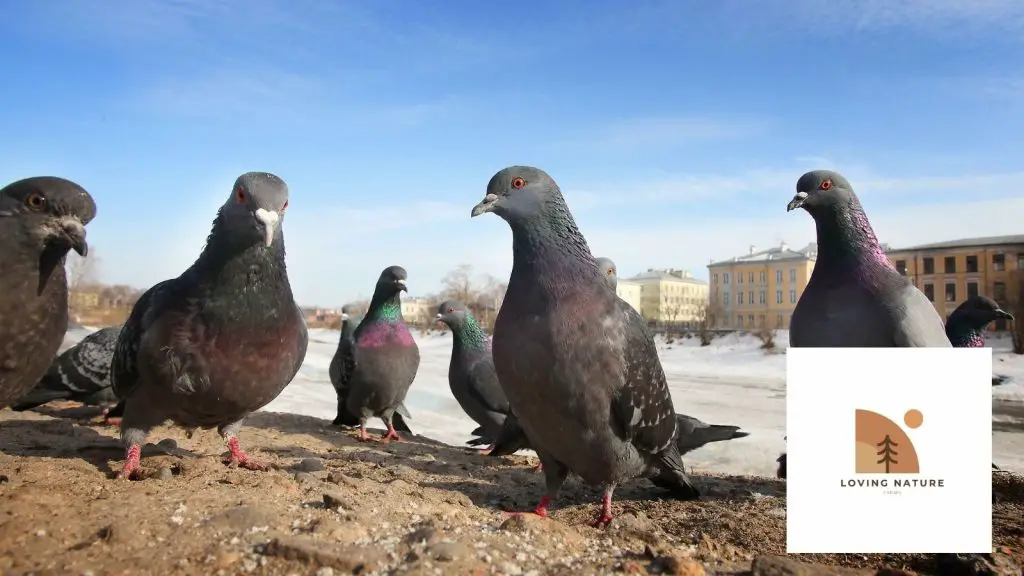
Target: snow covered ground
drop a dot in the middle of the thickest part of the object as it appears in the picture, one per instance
(732, 381)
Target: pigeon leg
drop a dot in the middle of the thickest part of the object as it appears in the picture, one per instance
(605, 517)
(133, 435)
(237, 456)
(363, 436)
(130, 470)
(391, 434)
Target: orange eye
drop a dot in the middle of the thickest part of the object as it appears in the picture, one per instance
(610, 271)
(825, 185)
(36, 201)
(518, 183)
(239, 195)
(450, 310)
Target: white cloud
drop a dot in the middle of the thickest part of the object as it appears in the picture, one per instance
(663, 132)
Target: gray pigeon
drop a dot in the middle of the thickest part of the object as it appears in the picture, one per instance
(81, 373)
(965, 327)
(611, 275)
(855, 297)
(386, 359)
(223, 339)
(41, 220)
(471, 370)
(577, 364)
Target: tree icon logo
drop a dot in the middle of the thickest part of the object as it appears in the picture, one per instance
(882, 447)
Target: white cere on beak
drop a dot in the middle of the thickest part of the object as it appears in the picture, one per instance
(270, 220)
(801, 195)
(400, 282)
(344, 316)
(438, 317)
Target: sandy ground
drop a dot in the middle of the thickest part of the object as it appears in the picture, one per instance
(331, 505)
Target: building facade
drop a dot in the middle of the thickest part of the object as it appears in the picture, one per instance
(419, 311)
(760, 289)
(950, 272)
(631, 292)
(671, 296)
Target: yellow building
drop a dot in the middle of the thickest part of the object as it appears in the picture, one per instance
(671, 296)
(759, 289)
(950, 272)
(631, 292)
(420, 311)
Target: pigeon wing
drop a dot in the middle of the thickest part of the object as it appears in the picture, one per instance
(124, 367)
(918, 325)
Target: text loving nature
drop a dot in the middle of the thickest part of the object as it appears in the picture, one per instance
(894, 483)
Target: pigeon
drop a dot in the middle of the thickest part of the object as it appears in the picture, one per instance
(344, 358)
(41, 220)
(81, 373)
(386, 359)
(965, 327)
(221, 340)
(471, 374)
(578, 365)
(607, 266)
(855, 297)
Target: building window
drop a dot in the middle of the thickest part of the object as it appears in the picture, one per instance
(716, 278)
(778, 296)
(739, 297)
(949, 264)
(901, 267)
(762, 278)
(750, 320)
(999, 262)
(929, 292)
(780, 321)
(761, 297)
(750, 277)
(972, 264)
(739, 320)
(999, 292)
(792, 296)
(929, 265)
(1020, 261)
(972, 289)
(739, 277)
(950, 291)
(792, 274)
(750, 297)
(778, 276)
(725, 298)
(725, 278)
(760, 320)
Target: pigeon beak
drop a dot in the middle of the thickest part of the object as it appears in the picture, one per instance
(401, 285)
(75, 232)
(269, 219)
(488, 204)
(437, 318)
(344, 316)
(797, 201)
(1004, 314)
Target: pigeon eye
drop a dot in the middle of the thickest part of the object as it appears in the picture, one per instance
(825, 185)
(518, 183)
(450, 310)
(239, 195)
(610, 271)
(35, 201)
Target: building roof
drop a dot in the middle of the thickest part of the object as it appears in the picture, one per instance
(666, 275)
(966, 243)
(774, 254)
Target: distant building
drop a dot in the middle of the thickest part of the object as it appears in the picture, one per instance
(83, 299)
(418, 310)
(670, 296)
(631, 292)
(759, 289)
(950, 272)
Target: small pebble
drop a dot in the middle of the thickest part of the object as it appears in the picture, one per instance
(325, 571)
(310, 465)
(164, 474)
(304, 477)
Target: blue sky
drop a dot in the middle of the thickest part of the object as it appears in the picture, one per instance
(676, 129)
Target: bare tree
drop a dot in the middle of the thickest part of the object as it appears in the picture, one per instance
(458, 284)
(766, 334)
(83, 272)
(706, 318)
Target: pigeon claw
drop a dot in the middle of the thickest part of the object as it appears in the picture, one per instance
(239, 458)
(605, 517)
(391, 434)
(542, 507)
(487, 450)
(130, 470)
(112, 421)
(363, 436)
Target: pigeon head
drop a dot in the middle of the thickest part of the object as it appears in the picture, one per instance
(53, 212)
(452, 312)
(821, 190)
(607, 267)
(518, 194)
(255, 209)
(348, 310)
(391, 282)
(976, 313)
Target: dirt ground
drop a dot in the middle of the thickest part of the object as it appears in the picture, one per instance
(331, 505)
